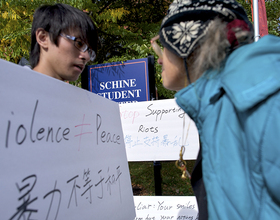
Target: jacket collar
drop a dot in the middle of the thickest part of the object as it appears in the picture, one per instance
(252, 73)
(195, 99)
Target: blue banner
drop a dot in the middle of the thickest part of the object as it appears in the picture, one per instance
(123, 82)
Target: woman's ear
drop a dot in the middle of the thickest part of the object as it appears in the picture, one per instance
(42, 38)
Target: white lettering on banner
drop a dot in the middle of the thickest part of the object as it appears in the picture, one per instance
(127, 102)
(63, 151)
(118, 84)
(125, 94)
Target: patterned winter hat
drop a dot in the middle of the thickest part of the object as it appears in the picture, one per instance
(187, 22)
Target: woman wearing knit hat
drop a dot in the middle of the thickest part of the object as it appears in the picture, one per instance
(230, 86)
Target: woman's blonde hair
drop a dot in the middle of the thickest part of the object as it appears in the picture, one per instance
(214, 48)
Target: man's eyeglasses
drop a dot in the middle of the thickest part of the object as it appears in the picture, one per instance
(80, 45)
(156, 47)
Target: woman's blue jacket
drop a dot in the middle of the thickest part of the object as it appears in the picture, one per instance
(237, 113)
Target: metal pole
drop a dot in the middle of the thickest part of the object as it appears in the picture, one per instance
(157, 178)
(256, 20)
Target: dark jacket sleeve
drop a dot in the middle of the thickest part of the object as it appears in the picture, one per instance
(199, 189)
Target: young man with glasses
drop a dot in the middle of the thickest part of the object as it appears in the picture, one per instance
(63, 40)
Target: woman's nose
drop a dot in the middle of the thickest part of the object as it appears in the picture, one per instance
(159, 61)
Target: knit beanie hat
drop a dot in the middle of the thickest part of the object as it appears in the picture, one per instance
(187, 22)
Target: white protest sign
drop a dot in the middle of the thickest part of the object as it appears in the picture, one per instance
(153, 131)
(166, 207)
(62, 153)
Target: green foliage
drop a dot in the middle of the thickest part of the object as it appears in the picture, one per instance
(128, 37)
(15, 26)
(272, 13)
(125, 28)
(246, 4)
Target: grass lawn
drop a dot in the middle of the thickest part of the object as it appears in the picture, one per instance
(142, 179)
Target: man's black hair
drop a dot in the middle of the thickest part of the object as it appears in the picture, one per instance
(57, 19)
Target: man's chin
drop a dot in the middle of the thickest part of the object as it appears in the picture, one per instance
(71, 79)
